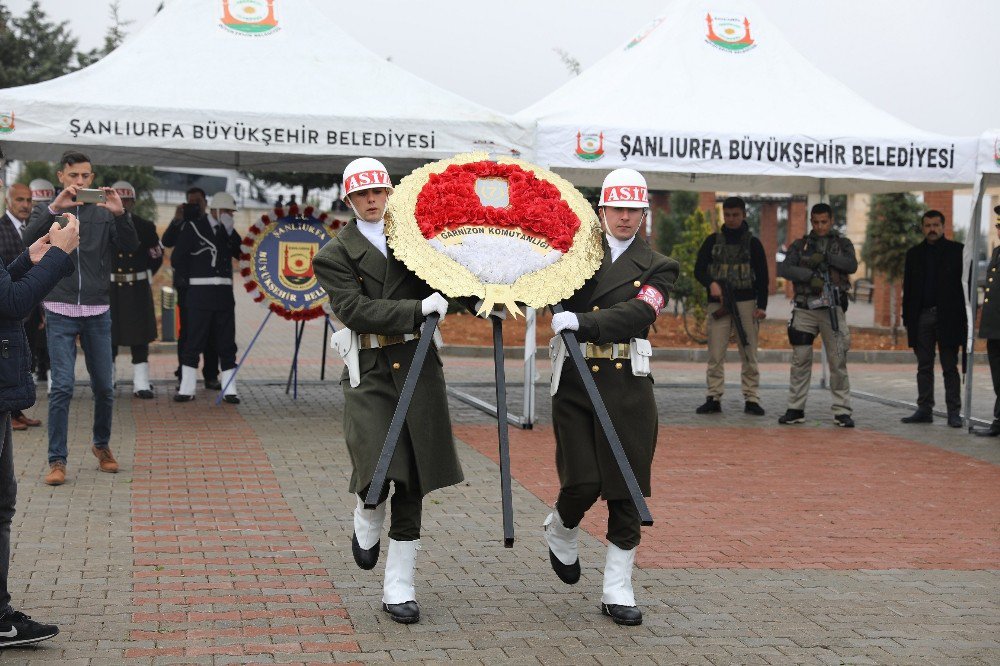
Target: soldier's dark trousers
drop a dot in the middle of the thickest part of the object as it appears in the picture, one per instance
(925, 347)
(993, 354)
(406, 510)
(624, 525)
(218, 326)
(211, 368)
(140, 353)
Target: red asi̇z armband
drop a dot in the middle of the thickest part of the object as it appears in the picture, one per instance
(652, 297)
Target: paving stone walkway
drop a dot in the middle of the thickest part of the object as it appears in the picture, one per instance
(225, 538)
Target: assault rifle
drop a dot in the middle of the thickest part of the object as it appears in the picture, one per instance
(729, 307)
(831, 294)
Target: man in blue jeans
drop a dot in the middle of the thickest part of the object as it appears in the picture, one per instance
(24, 281)
(79, 306)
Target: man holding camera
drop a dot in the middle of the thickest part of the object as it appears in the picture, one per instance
(204, 254)
(79, 305)
(24, 282)
(818, 266)
(194, 208)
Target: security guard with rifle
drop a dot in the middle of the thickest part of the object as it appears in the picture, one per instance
(611, 315)
(732, 266)
(382, 305)
(818, 266)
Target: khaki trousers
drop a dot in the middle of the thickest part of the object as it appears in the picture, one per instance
(818, 322)
(719, 333)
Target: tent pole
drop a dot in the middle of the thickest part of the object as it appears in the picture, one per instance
(972, 295)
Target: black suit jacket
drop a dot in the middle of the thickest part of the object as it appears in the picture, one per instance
(952, 324)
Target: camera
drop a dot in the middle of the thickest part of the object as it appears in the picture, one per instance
(192, 211)
(62, 220)
(90, 196)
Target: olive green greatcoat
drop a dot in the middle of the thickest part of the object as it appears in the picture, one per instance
(370, 293)
(609, 311)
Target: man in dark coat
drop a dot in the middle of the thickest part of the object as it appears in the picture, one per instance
(611, 314)
(384, 304)
(204, 254)
(934, 316)
(11, 247)
(133, 318)
(195, 208)
(989, 328)
(24, 282)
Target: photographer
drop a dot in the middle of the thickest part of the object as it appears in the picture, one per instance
(23, 284)
(80, 305)
(194, 209)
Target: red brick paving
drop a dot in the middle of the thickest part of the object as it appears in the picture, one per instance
(218, 553)
(799, 498)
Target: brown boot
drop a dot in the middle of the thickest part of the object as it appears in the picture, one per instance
(57, 474)
(107, 460)
(17, 425)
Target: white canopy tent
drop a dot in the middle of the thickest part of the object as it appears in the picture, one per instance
(710, 96)
(988, 176)
(269, 84)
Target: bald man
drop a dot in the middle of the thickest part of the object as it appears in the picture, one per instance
(11, 246)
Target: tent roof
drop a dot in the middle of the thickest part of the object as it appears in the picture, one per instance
(217, 83)
(718, 70)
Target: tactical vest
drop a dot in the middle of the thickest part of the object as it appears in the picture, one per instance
(731, 262)
(831, 243)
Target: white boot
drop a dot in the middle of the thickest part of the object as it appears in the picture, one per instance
(229, 386)
(367, 534)
(141, 387)
(398, 596)
(189, 382)
(563, 543)
(618, 600)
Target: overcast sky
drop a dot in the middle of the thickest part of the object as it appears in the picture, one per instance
(932, 63)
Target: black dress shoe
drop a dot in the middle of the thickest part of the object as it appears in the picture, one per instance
(954, 421)
(144, 394)
(213, 384)
(627, 615)
(231, 399)
(992, 431)
(407, 612)
(366, 559)
(919, 416)
(180, 397)
(568, 573)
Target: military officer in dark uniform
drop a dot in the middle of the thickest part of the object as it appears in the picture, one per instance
(133, 318)
(989, 328)
(195, 208)
(611, 314)
(204, 254)
(382, 305)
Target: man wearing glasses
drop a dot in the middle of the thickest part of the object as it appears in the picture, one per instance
(989, 328)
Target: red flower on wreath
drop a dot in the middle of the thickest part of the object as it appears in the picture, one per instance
(449, 201)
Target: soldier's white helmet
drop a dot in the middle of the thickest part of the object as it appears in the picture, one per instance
(365, 173)
(124, 189)
(624, 188)
(41, 190)
(222, 201)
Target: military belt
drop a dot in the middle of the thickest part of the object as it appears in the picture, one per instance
(129, 277)
(374, 341)
(611, 350)
(202, 281)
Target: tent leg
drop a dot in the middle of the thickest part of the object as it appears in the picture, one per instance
(528, 412)
(972, 295)
(322, 364)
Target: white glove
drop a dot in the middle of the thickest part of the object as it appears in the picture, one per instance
(564, 321)
(434, 303)
(227, 222)
(500, 313)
